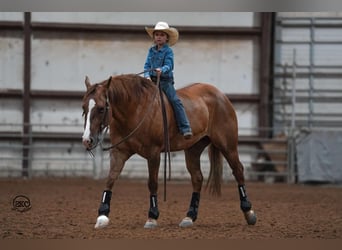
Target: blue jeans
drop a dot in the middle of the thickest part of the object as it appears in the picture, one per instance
(178, 108)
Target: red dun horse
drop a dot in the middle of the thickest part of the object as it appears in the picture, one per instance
(130, 106)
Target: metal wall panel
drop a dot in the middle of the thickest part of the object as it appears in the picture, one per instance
(60, 159)
(229, 64)
(11, 161)
(328, 54)
(11, 16)
(61, 61)
(10, 113)
(322, 14)
(57, 116)
(247, 119)
(307, 83)
(61, 58)
(11, 60)
(222, 19)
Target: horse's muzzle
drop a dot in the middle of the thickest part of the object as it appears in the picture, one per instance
(88, 143)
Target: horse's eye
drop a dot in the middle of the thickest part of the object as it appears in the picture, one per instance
(101, 110)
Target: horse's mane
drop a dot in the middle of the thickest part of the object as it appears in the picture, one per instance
(129, 88)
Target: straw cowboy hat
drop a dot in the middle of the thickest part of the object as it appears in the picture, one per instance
(163, 26)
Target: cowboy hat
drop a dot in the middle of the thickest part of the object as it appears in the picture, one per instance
(164, 27)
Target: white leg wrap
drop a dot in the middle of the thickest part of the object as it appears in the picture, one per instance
(150, 223)
(102, 221)
(186, 222)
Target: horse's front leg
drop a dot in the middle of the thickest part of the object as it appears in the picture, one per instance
(117, 162)
(153, 170)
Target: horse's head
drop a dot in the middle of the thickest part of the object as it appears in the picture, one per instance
(95, 111)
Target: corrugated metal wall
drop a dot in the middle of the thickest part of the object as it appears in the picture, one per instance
(308, 63)
(45, 57)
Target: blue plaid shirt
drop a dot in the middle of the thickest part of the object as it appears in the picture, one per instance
(163, 59)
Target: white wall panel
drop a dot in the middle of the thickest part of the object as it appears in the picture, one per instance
(57, 116)
(60, 159)
(11, 158)
(231, 65)
(61, 64)
(11, 16)
(287, 51)
(61, 61)
(11, 60)
(328, 34)
(328, 54)
(295, 35)
(10, 113)
(247, 118)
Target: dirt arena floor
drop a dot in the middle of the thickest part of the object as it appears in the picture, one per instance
(66, 208)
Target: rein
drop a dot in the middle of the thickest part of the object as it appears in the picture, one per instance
(166, 137)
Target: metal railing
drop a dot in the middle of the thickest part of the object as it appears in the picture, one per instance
(62, 154)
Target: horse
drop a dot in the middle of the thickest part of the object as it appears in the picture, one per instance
(130, 107)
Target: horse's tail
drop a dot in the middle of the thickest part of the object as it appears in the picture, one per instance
(215, 173)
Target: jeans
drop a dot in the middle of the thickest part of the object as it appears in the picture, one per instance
(178, 108)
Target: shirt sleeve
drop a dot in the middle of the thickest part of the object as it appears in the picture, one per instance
(147, 65)
(168, 62)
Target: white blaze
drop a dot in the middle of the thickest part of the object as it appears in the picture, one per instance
(86, 133)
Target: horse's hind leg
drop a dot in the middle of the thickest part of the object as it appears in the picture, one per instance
(192, 158)
(246, 206)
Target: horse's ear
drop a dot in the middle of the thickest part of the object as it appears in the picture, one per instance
(87, 82)
(108, 83)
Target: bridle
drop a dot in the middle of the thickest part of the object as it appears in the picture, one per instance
(103, 128)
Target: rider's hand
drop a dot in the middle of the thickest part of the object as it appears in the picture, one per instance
(158, 70)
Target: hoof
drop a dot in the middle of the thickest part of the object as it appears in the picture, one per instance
(250, 217)
(102, 221)
(186, 222)
(150, 223)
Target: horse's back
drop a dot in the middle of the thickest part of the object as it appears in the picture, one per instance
(208, 108)
(207, 93)
(199, 89)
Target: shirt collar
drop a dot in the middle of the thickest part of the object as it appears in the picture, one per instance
(165, 46)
